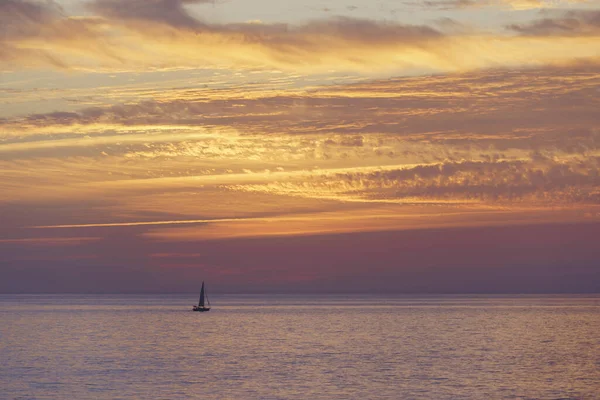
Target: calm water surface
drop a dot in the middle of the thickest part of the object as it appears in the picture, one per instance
(290, 347)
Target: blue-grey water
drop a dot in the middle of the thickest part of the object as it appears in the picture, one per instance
(299, 347)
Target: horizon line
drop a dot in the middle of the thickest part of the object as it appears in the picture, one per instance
(309, 293)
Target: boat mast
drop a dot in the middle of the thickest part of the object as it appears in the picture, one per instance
(201, 302)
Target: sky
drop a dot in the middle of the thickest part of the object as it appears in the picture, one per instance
(333, 146)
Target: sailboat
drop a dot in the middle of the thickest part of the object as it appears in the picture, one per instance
(201, 306)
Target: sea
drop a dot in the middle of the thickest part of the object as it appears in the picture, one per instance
(299, 347)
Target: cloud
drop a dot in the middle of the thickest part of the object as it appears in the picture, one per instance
(572, 23)
(356, 221)
(512, 4)
(49, 241)
(529, 182)
(534, 4)
(530, 110)
(169, 12)
(122, 33)
(490, 140)
(161, 34)
(23, 18)
(499, 137)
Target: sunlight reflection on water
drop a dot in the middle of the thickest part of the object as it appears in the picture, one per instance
(300, 347)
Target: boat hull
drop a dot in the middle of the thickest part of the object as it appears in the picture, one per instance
(201, 309)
